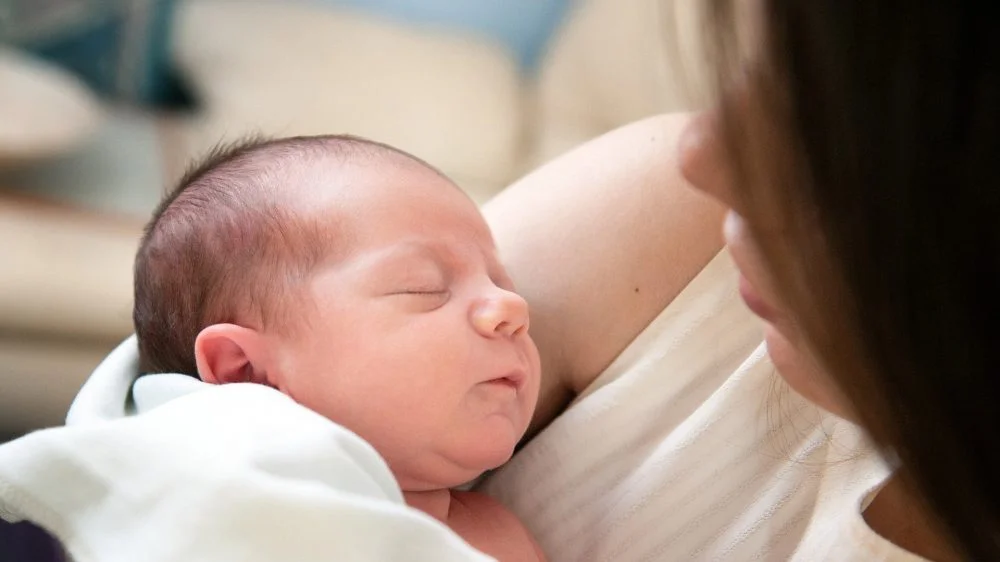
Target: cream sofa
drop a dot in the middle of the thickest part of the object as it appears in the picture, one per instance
(287, 68)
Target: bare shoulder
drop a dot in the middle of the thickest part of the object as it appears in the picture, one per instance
(492, 528)
(599, 241)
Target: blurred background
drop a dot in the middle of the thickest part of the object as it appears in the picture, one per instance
(104, 102)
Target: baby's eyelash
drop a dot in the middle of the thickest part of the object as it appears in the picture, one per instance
(424, 291)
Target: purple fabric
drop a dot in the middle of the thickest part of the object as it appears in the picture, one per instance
(25, 542)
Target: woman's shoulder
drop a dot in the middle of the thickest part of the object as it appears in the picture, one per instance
(599, 241)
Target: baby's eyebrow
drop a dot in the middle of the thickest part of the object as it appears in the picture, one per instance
(438, 254)
(408, 251)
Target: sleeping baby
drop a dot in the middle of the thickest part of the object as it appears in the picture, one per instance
(365, 285)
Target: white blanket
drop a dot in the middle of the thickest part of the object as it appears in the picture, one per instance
(238, 472)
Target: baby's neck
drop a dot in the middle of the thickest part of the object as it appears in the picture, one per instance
(435, 503)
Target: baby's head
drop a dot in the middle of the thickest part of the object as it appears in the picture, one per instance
(357, 280)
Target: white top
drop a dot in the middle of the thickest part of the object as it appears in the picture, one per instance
(688, 447)
(237, 473)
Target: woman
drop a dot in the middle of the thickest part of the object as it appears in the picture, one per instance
(865, 221)
(852, 158)
(854, 155)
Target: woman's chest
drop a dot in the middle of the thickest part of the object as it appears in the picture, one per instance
(721, 471)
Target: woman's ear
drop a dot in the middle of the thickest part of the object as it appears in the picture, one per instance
(226, 353)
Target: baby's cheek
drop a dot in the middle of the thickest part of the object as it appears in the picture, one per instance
(534, 385)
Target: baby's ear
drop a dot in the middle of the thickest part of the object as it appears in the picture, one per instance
(228, 353)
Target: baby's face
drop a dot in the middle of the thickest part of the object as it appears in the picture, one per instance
(417, 340)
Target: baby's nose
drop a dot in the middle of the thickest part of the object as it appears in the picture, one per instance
(502, 314)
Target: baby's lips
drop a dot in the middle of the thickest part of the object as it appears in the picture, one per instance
(515, 379)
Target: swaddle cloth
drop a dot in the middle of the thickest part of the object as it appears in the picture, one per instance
(237, 472)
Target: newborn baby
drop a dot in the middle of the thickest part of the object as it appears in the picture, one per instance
(365, 285)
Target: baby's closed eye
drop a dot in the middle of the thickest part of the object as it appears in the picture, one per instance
(423, 298)
(423, 291)
(422, 281)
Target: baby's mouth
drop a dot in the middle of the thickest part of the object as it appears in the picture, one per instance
(514, 380)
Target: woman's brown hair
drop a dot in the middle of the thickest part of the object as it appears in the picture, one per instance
(866, 140)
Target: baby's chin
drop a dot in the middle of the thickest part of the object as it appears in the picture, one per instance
(458, 463)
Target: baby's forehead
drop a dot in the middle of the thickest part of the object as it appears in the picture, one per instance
(422, 260)
(438, 225)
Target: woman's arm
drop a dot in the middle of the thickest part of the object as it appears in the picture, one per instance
(599, 241)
